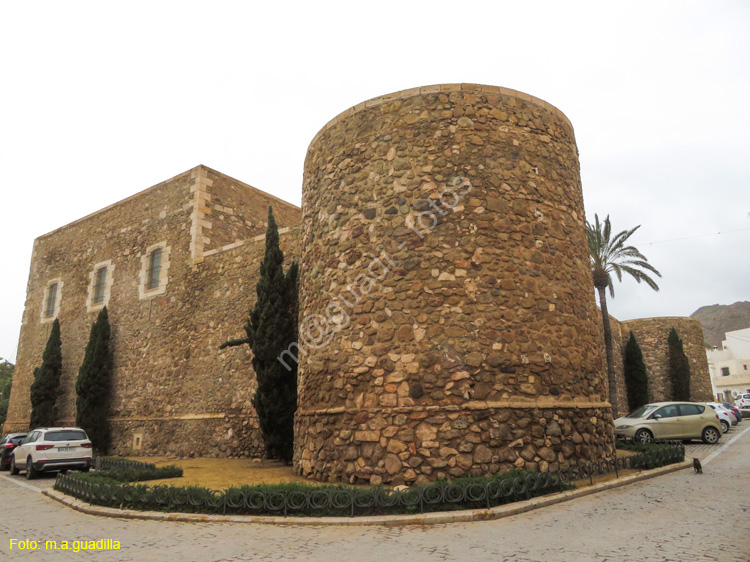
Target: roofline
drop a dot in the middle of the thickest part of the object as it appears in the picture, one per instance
(269, 195)
(153, 187)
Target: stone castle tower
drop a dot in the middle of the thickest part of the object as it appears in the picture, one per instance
(445, 259)
(448, 322)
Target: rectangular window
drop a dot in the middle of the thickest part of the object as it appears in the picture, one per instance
(725, 371)
(51, 298)
(101, 280)
(154, 269)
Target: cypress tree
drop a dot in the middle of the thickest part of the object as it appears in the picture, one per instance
(636, 378)
(679, 368)
(271, 327)
(45, 389)
(93, 386)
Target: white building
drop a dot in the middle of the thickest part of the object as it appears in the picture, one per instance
(730, 365)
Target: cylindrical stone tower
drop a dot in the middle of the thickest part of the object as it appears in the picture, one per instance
(448, 322)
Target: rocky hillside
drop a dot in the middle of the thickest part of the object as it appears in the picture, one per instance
(720, 318)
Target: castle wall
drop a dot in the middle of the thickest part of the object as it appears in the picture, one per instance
(174, 391)
(652, 335)
(619, 341)
(478, 348)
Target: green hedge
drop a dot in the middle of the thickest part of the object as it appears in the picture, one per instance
(135, 475)
(653, 455)
(101, 488)
(307, 499)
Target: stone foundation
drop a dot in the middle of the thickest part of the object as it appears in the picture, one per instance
(416, 446)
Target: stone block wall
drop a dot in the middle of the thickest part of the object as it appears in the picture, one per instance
(652, 335)
(619, 340)
(174, 391)
(444, 260)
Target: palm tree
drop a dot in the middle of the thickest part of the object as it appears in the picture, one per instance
(610, 254)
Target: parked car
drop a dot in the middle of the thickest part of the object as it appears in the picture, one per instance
(670, 420)
(726, 418)
(735, 410)
(48, 449)
(7, 444)
(743, 401)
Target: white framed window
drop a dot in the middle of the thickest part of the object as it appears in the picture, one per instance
(101, 278)
(154, 270)
(51, 300)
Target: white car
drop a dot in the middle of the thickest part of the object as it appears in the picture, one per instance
(726, 418)
(743, 401)
(718, 405)
(48, 449)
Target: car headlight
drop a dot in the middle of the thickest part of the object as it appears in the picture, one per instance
(622, 427)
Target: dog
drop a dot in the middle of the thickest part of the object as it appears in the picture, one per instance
(697, 466)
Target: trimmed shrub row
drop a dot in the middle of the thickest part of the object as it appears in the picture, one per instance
(338, 500)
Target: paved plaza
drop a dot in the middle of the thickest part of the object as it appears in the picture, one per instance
(677, 517)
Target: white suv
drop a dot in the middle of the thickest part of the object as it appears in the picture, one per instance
(49, 449)
(742, 401)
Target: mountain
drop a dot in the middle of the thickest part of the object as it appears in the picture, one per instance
(720, 318)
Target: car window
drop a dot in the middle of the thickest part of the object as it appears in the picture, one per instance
(67, 435)
(31, 437)
(691, 409)
(670, 411)
(641, 412)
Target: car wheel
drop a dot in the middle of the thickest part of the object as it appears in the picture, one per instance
(13, 468)
(724, 426)
(710, 435)
(643, 436)
(30, 472)
(4, 466)
(86, 469)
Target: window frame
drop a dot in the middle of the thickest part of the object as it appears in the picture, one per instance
(148, 287)
(92, 305)
(100, 284)
(51, 300)
(154, 265)
(45, 314)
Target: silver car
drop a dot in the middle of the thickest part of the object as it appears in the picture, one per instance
(670, 420)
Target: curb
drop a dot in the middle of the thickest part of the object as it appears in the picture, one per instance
(435, 518)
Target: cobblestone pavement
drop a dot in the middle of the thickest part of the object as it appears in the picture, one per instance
(671, 518)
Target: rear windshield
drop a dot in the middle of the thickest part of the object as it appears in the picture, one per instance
(642, 411)
(746, 396)
(67, 435)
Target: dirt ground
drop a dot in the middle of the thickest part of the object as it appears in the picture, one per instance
(219, 474)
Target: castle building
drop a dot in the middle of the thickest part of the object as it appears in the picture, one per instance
(447, 317)
(176, 266)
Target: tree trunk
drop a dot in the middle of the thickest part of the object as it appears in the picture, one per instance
(611, 376)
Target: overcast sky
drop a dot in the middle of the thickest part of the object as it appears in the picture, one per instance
(99, 101)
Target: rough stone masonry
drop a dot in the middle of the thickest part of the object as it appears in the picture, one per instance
(448, 318)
